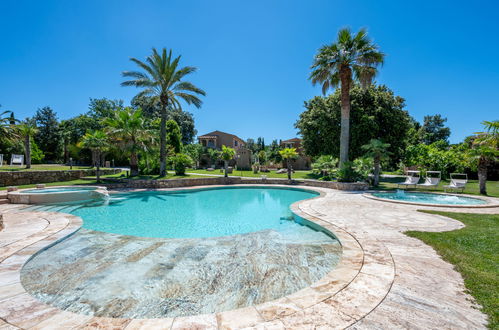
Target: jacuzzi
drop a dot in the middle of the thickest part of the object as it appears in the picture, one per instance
(57, 194)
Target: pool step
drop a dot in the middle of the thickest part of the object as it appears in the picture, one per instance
(3, 198)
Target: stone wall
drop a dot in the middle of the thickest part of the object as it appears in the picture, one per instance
(17, 178)
(189, 182)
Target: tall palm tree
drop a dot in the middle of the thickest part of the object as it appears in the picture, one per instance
(378, 151)
(97, 142)
(26, 131)
(162, 77)
(337, 64)
(127, 128)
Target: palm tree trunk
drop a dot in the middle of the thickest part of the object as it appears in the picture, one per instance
(376, 172)
(27, 146)
(482, 175)
(162, 147)
(97, 170)
(288, 163)
(225, 168)
(346, 78)
(134, 167)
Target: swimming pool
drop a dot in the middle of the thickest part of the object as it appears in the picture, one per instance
(429, 198)
(193, 213)
(155, 254)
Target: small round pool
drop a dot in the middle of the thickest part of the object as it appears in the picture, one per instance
(429, 198)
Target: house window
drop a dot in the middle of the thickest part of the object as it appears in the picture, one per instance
(211, 143)
(203, 143)
(235, 143)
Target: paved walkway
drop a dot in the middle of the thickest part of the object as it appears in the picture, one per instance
(385, 279)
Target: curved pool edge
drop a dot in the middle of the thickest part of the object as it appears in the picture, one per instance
(490, 202)
(361, 262)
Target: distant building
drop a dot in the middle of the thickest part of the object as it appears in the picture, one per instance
(217, 139)
(303, 162)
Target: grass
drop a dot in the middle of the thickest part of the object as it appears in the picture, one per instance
(471, 187)
(473, 251)
(42, 167)
(250, 174)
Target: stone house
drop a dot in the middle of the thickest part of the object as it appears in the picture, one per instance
(217, 139)
(303, 162)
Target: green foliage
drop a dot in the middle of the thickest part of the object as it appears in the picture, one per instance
(348, 53)
(180, 162)
(434, 130)
(376, 113)
(48, 137)
(288, 153)
(173, 136)
(376, 149)
(151, 108)
(195, 151)
(36, 154)
(99, 109)
(227, 153)
(358, 170)
(326, 166)
(437, 157)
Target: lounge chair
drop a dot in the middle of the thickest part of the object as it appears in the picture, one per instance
(431, 181)
(457, 181)
(411, 179)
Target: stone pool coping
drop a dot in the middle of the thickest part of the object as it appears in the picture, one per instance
(490, 201)
(360, 281)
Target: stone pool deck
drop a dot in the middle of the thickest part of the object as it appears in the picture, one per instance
(384, 279)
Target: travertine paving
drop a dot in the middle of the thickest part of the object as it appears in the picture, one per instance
(384, 279)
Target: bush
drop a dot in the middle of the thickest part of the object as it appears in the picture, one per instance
(36, 154)
(149, 165)
(358, 170)
(180, 162)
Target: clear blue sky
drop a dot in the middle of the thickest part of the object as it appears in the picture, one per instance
(253, 56)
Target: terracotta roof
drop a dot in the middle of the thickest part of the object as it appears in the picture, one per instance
(207, 137)
(217, 133)
(292, 140)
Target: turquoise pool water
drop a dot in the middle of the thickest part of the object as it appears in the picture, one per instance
(212, 212)
(57, 190)
(428, 198)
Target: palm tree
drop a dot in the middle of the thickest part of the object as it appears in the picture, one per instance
(127, 129)
(161, 77)
(378, 151)
(288, 154)
(350, 56)
(97, 142)
(214, 155)
(484, 151)
(26, 131)
(7, 122)
(227, 154)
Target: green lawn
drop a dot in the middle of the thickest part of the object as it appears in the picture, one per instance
(474, 250)
(272, 174)
(471, 187)
(42, 167)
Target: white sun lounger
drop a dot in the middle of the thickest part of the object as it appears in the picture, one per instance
(411, 179)
(457, 181)
(431, 181)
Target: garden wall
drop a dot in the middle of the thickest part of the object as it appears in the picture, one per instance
(176, 183)
(17, 178)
